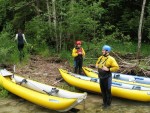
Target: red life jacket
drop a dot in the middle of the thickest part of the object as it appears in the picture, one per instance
(79, 57)
(79, 50)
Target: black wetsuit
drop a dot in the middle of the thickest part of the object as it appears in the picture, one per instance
(105, 85)
(78, 62)
(20, 42)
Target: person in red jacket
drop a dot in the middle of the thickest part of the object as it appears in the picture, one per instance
(78, 53)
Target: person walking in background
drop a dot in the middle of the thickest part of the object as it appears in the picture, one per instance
(106, 64)
(20, 37)
(78, 53)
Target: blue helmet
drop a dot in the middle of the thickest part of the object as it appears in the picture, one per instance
(106, 48)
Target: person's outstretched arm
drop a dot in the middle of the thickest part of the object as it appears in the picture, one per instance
(24, 38)
(16, 37)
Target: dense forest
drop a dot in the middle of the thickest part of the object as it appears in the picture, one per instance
(56, 24)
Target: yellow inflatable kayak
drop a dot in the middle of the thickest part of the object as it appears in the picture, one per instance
(119, 89)
(124, 78)
(40, 94)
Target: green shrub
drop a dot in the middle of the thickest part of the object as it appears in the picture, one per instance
(66, 55)
(7, 48)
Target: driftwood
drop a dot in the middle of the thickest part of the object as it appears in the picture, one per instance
(147, 73)
(148, 62)
(131, 67)
(58, 81)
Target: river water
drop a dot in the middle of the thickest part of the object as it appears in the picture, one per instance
(92, 104)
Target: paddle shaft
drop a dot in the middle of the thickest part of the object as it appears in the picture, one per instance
(13, 74)
(39, 88)
(14, 69)
(57, 81)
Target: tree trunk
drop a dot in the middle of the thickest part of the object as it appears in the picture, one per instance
(37, 7)
(72, 8)
(55, 23)
(49, 12)
(140, 29)
(60, 30)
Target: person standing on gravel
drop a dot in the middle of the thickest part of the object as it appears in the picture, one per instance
(106, 64)
(78, 53)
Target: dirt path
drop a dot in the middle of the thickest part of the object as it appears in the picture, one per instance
(42, 69)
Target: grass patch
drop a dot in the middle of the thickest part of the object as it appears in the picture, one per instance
(3, 92)
(65, 86)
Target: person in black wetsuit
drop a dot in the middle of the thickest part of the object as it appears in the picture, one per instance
(20, 37)
(106, 64)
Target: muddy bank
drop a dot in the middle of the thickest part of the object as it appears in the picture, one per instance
(92, 104)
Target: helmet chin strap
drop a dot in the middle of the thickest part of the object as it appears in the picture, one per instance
(106, 53)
